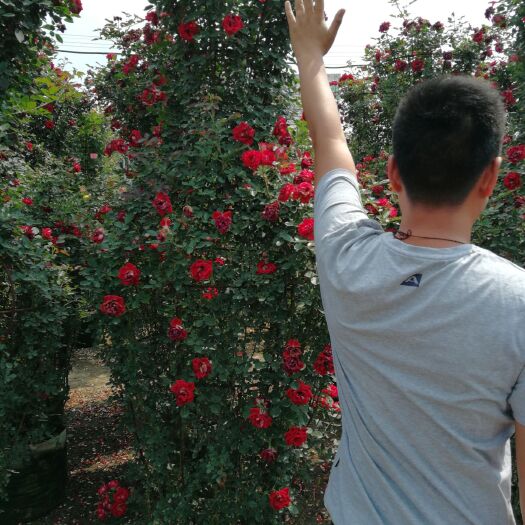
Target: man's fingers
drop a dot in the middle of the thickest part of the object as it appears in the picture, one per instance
(336, 22)
(319, 7)
(308, 6)
(289, 12)
(299, 8)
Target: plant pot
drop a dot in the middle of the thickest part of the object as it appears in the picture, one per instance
(39, 484)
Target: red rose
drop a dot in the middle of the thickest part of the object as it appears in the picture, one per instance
(306, 229)
(371, 209)
(400, 66)
(280, 127)
(417, 65)
(201, 270)
(271, 212)
(113, 305)
(343, 78)
(118, 509)
(201, 367)
(331, 390)
(512, 180)
(135, 137)
(519, 202)
(49, 124)
(77, 168)
(29, 231)
(101, 514)
(121, 495)
(300, 395)
(244, 133)
(303, 192)
(165, 222)
(292, 348)
(307, 161)
(264, 268)
(292, 364)
(267, 157)
(279, 499)
(113, 484)
(129, 274)
(184, 391)
(121, 215)
(259, 419)
(252, 159)
(118, 145)
(384, 27)
(152, 17)
(304, 176)
(28, 201)
(162, 204)
(29, 146)
(324, 364)
(295, 436)
(175, 331)
(478, 36)
(508, 97)
(231, 24)
(268, 454)
(98, 236)
(210, 293)
(287, 168)
(76, 6)
(285, 192)
(222, 220)
(46, 233)
(516, 154)
(188, 31)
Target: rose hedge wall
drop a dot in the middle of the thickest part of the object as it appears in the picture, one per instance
(51, 154)
(419, 50)
(203, 273)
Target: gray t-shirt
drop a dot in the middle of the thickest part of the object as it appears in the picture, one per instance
(429, 356)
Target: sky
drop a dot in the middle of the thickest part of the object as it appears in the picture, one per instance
(360, 25)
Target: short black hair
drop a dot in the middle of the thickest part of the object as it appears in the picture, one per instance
(445, 133)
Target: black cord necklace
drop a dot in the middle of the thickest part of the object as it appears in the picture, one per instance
(405, 235)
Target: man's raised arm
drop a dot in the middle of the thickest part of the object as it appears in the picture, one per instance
(311, 40)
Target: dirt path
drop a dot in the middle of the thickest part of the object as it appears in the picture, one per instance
(98, 450)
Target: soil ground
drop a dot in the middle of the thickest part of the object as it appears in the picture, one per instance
(98, 449)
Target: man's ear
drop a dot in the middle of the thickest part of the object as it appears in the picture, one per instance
(489, 179)
(392, 172)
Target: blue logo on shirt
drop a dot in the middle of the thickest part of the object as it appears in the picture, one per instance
(414, 280)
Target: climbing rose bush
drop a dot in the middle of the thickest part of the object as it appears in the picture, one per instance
(201, 273)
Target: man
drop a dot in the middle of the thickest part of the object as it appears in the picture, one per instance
(427, 329)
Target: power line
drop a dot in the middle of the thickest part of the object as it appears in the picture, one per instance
(117, 53)
(88, 52)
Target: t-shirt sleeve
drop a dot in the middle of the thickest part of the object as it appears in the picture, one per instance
(339, 217)
(517, 399)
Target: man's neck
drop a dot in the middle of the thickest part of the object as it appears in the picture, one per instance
(438, 224)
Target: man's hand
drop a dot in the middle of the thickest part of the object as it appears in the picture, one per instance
(308, 31)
